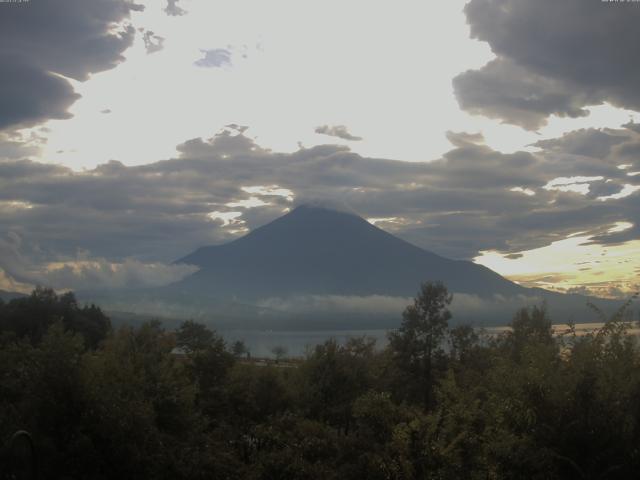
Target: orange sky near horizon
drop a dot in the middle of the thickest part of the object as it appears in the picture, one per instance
(573, 265)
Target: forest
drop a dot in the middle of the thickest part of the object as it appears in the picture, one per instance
(439, 401)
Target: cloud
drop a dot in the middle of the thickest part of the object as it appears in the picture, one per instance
(506, 91)
(464, 139)
(586, 142)
(14, 145)
(25, 266)
(214, 58)
(173, 10)
(43, 42)
(464, 308)
(332, 304)
(495, 310)
(339, 131)
(29, 94)
(152, 42)
(551, 58)
(456, 206)
(100, 274)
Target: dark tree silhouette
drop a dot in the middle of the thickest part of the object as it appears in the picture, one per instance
(30, 317)
(417, 344)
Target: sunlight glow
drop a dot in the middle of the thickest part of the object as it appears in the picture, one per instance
(573, 265)
(250, 202)
(526, 191)
(228, 218)
(15, 204)
(270, 190)
(625, 192)
(571, 184)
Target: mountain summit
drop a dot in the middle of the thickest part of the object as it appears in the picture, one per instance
(314, 250)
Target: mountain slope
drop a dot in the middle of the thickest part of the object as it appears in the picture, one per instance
(314, 250)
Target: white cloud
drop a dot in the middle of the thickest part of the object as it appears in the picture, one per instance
(23, 267)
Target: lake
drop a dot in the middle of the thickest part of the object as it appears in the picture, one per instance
(261, 342)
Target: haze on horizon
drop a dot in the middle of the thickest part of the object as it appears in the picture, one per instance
(133, 133)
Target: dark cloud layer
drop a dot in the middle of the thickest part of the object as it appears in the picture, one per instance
(552, 58)
(29, 94)
(456, 206)
(42, 41)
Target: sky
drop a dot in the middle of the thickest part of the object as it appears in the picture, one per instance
(506, 132)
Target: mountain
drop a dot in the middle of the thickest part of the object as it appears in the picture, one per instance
(316, 268)
(318, 251)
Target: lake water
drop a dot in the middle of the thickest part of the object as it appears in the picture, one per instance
(260, 343)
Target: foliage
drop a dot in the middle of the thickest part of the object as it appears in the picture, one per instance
(30, 317)
(417, 345)
(279, 352)
(239, 349)
(149, 403)
(333, 377)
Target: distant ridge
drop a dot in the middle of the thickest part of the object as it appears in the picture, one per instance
(320, 251)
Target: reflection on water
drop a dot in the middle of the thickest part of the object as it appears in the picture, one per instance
(297, 343)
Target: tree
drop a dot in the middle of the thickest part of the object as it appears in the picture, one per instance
(462, 339)
(417, 344)
(530, 326)
(279, 352)
(255, 393)
(30, 317)
(209, 363)
(194, 337)
(239, 349)
(333, 376)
